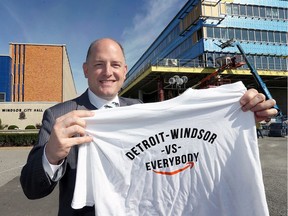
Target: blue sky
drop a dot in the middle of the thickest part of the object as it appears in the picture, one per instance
(76, 23)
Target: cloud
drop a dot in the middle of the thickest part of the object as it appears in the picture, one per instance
(147, 25)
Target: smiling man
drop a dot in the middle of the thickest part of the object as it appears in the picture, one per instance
(54, 158)
(105, 68)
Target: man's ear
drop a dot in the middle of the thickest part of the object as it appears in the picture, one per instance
(85, 69)
(125, 71)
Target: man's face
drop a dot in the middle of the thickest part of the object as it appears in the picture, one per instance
(105, 69)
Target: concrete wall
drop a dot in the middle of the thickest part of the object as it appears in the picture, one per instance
(23, 113)
(69, 89)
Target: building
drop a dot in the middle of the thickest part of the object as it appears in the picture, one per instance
(33, 78)
(40, 73)
(5, 78)
(189, 47)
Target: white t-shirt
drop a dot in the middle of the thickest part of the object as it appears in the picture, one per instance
(195, 154)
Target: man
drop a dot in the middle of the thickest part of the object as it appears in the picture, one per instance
(54, 158)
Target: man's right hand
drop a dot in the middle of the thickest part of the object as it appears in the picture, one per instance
(68, 130)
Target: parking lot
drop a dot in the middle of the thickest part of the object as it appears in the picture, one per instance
(273, 154)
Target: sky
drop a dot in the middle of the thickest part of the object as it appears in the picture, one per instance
(76, 23)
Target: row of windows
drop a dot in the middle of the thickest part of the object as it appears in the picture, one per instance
(247, 34)
(257, 11)
(167, 40)
(259, 62)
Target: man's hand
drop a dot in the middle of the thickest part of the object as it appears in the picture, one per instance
(68, 130)
(254, 101)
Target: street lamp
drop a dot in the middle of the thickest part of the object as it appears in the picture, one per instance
(178, 81)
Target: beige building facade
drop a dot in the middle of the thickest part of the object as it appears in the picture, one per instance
(23, 114)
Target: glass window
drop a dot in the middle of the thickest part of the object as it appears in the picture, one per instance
(231, 33)
(210, 60)
(217, 32)
(271, 37)
(245, 34)
(277, 37)
(224, 33)
(229, 9)
(283, 37)
(277, 63)
(235, 9)
(258, 35)
(251, 35)
(2, 97)
(271, 64)
(264, 62)
(283, 63)
(249, 10)
(264, 36)
(275, 13)
(255, 11)
(243, 10)
(210, 32)
(262, 12)
(238, 34)
(258, 63)
(281, 13)
(269, 13)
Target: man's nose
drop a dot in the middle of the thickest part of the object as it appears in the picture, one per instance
(108, 70)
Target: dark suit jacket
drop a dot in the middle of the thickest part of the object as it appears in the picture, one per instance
(34, 180)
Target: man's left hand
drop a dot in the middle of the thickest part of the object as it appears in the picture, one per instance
(256, 102)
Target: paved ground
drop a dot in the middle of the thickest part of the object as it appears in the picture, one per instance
(273, 152)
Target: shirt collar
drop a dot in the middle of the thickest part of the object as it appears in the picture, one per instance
(100, 102)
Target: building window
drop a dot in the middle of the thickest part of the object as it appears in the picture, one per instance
(277, 64)
(217, 33)
(231, 33)
(256, 11)
(238, 34)
(224, 33)
(249, 11)
(264, 62)
(283, 37)
(243, 10)
(262, 11)
(264, 36)
(282, 13)
(2, 96)
(270, 37)
(235, 9)
(271, 63)
(251, 35)
(210, 32)
(258, 35)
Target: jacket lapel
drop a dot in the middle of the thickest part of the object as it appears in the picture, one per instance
(83, 102)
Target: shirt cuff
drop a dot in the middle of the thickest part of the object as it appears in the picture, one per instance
(53, 171)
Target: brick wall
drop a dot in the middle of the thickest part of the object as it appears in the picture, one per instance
(40, 68)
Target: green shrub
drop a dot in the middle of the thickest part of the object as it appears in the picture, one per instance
(30, 127)
(13, 127)
(18, 139)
